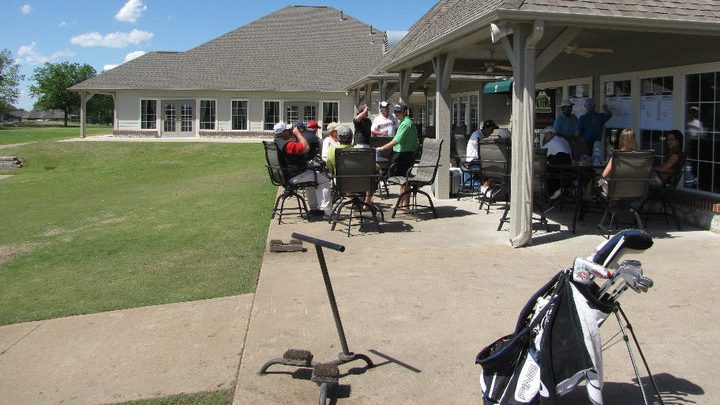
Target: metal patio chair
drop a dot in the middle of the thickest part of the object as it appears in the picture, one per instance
(280, 175)
(420, 175)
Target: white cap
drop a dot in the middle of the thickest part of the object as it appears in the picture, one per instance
(280, 127)
(549, 129)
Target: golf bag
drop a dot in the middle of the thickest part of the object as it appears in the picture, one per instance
(555, 346)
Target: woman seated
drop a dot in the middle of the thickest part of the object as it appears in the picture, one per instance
(673, 160)
(628, 143)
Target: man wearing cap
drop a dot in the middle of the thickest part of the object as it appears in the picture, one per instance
(295, 152)
(384, 124)
(309, 132)
(558, 152)
(590, 126)
(345, 137)
(404, 144)
(363, 127)
(471, 153)
(566, 121)
(330, 141)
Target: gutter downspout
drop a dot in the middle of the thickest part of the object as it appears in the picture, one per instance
(521, 176)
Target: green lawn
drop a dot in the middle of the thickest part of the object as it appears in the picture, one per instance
(96, 226)
(24, 134)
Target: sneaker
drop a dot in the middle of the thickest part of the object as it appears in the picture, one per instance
(557, 194)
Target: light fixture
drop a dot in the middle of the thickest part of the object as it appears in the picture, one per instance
(498, 32)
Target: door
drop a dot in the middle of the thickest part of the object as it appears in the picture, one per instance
(178, 118)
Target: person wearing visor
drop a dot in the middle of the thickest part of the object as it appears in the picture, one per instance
(404, 145)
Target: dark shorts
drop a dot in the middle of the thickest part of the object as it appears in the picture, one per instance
(401, 162)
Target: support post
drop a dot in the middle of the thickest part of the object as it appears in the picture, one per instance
(83, 108)
(405, 77)
(443, 66)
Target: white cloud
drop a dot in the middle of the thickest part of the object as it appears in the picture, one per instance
(27, 54)
(112, 40)
(108, 67)
(131, 11)
(26, 9)
(134, 55)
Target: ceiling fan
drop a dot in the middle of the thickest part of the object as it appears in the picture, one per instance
(575, 49)
(492, 67)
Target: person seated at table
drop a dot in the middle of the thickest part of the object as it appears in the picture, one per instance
(627, 143)
(294, 150)
(558, 153)
(330, 141)
(674, 159)
(471, 152)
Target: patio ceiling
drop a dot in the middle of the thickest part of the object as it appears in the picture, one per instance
(631, 50)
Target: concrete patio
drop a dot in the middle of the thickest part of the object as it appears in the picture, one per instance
(420, 299)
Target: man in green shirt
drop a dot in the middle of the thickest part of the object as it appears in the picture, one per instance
(404, 144)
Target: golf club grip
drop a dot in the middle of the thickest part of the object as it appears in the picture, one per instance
(316, 241)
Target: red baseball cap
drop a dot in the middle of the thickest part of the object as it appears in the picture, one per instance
(313, 124)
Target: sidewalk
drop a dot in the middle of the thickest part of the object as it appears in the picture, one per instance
(420, 299)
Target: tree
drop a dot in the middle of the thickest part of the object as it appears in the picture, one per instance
(9, 81)
(52, 81)
(100, 109)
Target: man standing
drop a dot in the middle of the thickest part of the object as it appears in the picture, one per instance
(404, 144)
(363, 127)
(590, 126)
(384, 124)
(566, 124)
(295, 152)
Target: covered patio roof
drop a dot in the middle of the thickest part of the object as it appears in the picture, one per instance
(547, 41)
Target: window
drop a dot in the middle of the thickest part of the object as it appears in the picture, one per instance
(702, 130)
(656, 114)
(207, 114)
(330, 112)
(271, 111)
(148, 114)
(292, 114)
(186, 117)
(239, 115)
(474, 112)
(309, 113)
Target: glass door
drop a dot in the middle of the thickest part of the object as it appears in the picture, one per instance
(178, 118)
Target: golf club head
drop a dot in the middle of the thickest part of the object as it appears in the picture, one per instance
(630, 238)
(584, 271)
(646, 282)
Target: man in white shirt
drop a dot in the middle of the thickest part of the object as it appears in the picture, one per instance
(558, 152)
(471, 153)
(384, 124)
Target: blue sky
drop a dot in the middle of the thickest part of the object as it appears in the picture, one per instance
(103, 33)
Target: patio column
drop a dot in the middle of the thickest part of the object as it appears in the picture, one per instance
(524, 40)
(83, 106)
(443, 66)
(382, 85)
(405, 77)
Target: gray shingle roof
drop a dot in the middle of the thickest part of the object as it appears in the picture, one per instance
(297, 48)
(448, 16)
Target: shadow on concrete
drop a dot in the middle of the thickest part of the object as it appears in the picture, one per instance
(673, 390)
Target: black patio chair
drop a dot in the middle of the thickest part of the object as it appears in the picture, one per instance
(383, 161)
(355, 175)
(661, 197)
(471, 170)
(495, 165)
(420, 175)
(280, 174)
(629, 182)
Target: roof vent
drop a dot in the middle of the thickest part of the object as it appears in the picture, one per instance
(372, 34)
(342, 16)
